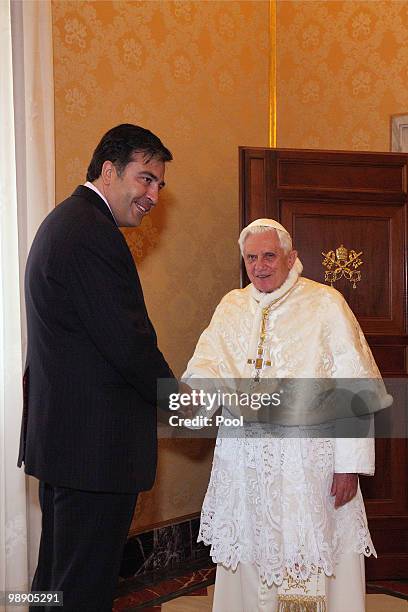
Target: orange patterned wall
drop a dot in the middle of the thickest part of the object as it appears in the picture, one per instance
(196, 73)
(342, 70)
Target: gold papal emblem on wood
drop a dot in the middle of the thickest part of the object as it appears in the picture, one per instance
(342, 263)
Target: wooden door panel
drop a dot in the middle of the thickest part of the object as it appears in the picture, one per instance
(318, 227)
(256, 194)
(390, 358)
(341, 172)
(386, 494)
(329, 198)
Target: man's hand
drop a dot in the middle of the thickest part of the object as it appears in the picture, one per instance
(344, 487)
(185, 411)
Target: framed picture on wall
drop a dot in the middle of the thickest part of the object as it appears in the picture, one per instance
(399, 133)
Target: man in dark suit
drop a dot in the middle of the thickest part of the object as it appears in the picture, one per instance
(89, 424)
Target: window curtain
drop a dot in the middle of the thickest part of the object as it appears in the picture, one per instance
(26, 196)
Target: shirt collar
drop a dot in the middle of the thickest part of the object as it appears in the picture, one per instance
(92, 186)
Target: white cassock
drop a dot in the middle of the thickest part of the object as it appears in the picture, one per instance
(268, 514)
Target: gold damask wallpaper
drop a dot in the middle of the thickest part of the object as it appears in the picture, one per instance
(342, 70)
(195, 73)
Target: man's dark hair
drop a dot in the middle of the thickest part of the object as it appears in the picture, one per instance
(120, 143)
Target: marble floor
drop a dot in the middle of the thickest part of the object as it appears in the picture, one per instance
(202, 603)
(192, 591)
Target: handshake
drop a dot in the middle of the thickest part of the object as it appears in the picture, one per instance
(241, 403)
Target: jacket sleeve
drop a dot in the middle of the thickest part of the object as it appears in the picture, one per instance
(210, 358)
(353, 360)
(355, 456)
(207, 371)
(108, 299)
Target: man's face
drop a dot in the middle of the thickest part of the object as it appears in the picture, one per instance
(266, 263)
(133, 193)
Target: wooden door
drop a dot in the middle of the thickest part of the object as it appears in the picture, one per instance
(359, 200)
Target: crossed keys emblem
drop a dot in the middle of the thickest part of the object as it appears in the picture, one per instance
(342, 263)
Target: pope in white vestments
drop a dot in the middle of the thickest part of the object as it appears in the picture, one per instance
(284, 515)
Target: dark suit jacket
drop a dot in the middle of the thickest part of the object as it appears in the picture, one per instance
(92, 361)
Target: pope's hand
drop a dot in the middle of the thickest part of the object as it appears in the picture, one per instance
(344, 488)
(185, 411)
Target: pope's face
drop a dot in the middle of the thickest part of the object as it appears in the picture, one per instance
(266, 263)
(133, 193)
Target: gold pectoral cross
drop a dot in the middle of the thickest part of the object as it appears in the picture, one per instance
(260, 362)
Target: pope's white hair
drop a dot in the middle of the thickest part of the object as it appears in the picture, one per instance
(284, 238)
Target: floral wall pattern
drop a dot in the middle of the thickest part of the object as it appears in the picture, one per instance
(342, 69)
(195, 73)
